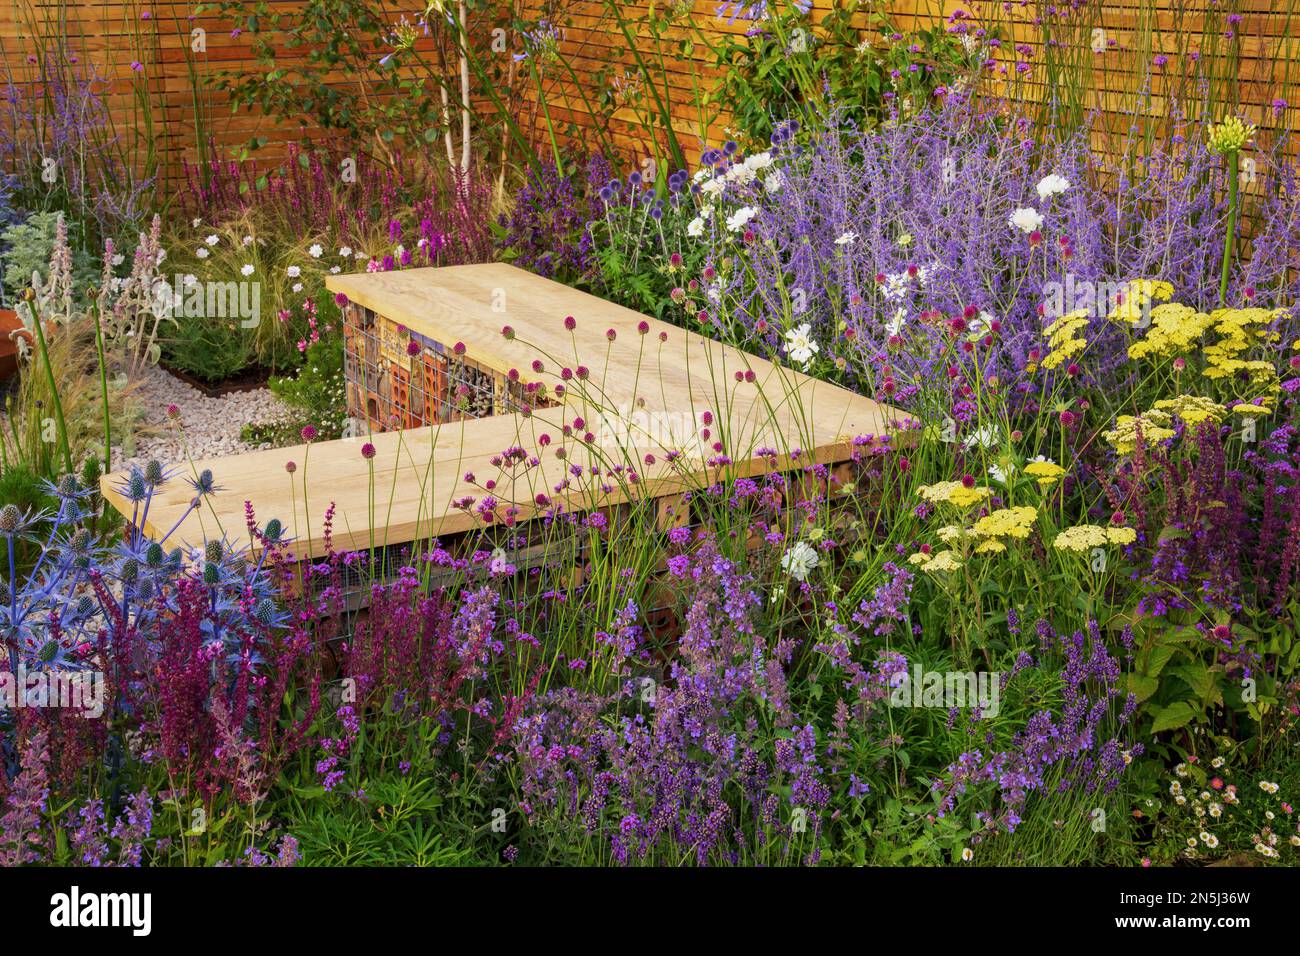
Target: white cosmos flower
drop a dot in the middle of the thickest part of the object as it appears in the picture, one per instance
(736, 221)
(247, 269)
(740, 174)
(713, 187)
(1026, 220)
(758, 161)
(1000, 474)
(119, 259)
(1051, 185)
(800, 346)
(316, 250)
(197, 223)
(297, 287)
(695, 227)
(335, 270)
(799, 561)
(984, 436)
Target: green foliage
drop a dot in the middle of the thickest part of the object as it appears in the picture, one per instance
(316, 395)
(382, 108)
(854, 59)
(27, 246)
(393, 820)
(211, 351)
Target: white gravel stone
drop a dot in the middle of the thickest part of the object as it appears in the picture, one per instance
(209, 427)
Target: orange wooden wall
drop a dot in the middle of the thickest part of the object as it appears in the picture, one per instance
(112, 34)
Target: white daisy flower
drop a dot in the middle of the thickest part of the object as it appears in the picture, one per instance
(799, 561)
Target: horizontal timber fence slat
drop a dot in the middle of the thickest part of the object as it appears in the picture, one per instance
(156, 64)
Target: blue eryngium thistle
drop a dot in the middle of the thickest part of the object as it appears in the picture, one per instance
(79, 595)
(204, 484)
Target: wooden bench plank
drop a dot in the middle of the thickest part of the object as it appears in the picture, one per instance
(406, 492)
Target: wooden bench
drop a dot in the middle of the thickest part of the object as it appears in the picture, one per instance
(647, 394)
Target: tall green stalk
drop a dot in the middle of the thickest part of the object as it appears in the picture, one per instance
(103, 389)
(1230, 234)
(49, 378)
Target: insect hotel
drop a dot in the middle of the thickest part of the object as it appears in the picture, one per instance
(476, 376)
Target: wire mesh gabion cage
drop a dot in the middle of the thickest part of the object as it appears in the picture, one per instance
(398, 378)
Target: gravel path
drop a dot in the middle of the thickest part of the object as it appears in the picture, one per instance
(210, 426)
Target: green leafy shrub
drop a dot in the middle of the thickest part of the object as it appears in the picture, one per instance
(27, 246)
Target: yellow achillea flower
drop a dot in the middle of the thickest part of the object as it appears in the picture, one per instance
(932, 563)
(1063, 339)
(1006, 523)
(1175, 329)
(951, 533)
(1047, 472)
(1248, 408)
(1085, 537)
(953, 493)
(1230, 135)
(1239, 330)
(1137, 298)
(991, 546)
(1153, 424)
(1193, 409)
